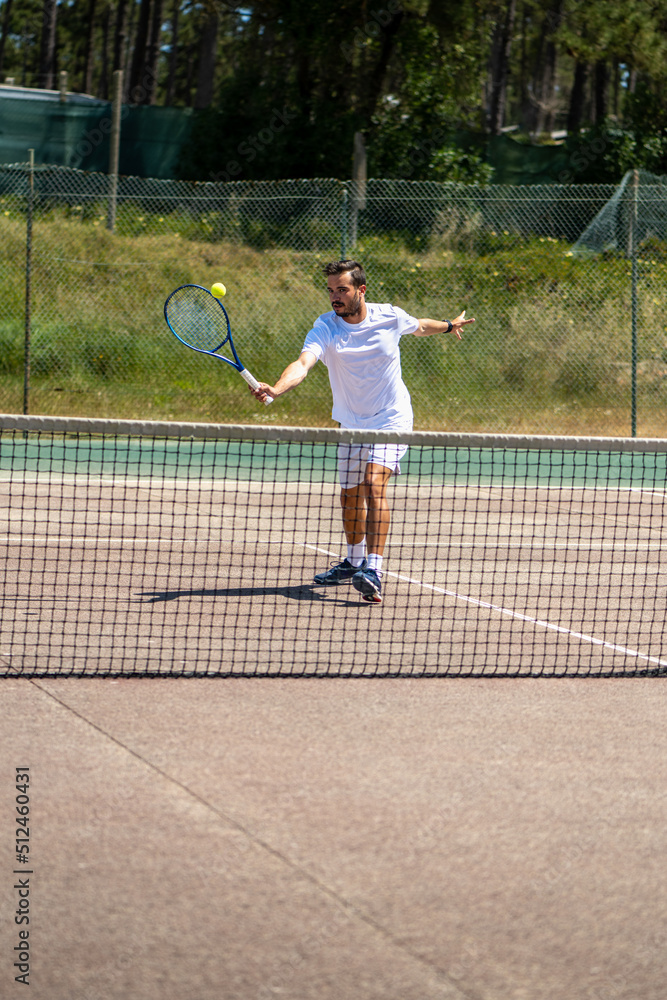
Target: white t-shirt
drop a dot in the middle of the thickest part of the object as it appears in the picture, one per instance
(364, 364)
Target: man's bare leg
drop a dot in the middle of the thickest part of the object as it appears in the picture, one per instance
(366, 512)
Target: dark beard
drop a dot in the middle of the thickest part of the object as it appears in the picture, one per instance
(355, 307)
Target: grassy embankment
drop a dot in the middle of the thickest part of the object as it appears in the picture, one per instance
(550, 352)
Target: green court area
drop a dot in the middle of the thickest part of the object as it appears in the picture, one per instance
(534, 463)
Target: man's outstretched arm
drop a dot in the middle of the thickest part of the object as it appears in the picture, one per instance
(293, 375)
(427, 327)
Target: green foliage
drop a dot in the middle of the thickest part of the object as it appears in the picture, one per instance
(21, 52)
(459, 166)
(434, 85)
(294, 80)
(308, 79)
(410, 78)
(603, 154)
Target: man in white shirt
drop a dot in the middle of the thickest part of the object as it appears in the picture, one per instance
(359, 344)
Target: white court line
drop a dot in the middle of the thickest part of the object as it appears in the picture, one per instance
(505, 541)
(23, 538)
(97, 540)
(401, 489)
(280, 486)
(515, 614)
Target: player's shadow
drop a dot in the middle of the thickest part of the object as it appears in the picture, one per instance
(299, 592)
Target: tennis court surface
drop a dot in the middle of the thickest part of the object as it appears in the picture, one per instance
(330, 839)
(142, 549)
(396, 823)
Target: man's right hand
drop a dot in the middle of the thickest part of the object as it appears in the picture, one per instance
(264, 391)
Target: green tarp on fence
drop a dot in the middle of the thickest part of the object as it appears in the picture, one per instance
(520, 163)
(77, 135)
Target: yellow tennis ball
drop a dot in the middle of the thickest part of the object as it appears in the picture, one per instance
(218, 289)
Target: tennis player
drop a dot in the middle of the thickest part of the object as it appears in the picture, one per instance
(358, 341)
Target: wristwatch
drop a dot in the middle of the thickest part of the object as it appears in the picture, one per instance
(450, 326)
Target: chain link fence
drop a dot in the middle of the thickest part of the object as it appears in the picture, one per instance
(570, 338)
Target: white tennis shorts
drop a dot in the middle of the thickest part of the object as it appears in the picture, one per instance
(353, 459)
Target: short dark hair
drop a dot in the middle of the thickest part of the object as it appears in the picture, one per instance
(351, 267)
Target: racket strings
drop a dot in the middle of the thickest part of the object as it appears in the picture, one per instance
(198, 319)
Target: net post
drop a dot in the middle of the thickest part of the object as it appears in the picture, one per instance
(28, 270)
(114, 147)
(634, 348)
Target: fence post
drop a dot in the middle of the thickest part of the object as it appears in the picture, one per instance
(28, 268)
(359, 185)
(114, 147)
(343, 224)
(633, 230)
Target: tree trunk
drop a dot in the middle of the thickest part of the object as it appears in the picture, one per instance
(47, 48)
(138, 74)
(87, 81)
(616, 85)
(208, 48)
(601, 78)
(525, 111)
(5, 31)
(189, 74)
(153, 53)
(376, 79)
(128, 49)
(173, 55)
(120, 35)
(499, 69)
(103, 84)
(575, 113)
(546, 105)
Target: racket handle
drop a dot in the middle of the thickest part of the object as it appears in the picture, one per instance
(254, 384)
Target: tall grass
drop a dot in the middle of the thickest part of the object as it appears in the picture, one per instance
(549, 353)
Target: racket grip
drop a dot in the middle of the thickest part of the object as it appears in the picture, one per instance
(254, 384)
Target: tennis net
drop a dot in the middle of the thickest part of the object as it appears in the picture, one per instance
(150, 548)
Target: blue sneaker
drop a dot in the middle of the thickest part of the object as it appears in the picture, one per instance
(367, 582)
(340, 573)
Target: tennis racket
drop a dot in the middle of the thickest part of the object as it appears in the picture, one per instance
(200, 321)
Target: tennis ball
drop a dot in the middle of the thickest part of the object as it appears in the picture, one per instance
(218, 289)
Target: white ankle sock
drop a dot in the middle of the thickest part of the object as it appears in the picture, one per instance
(375, 562)
(356, 553)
